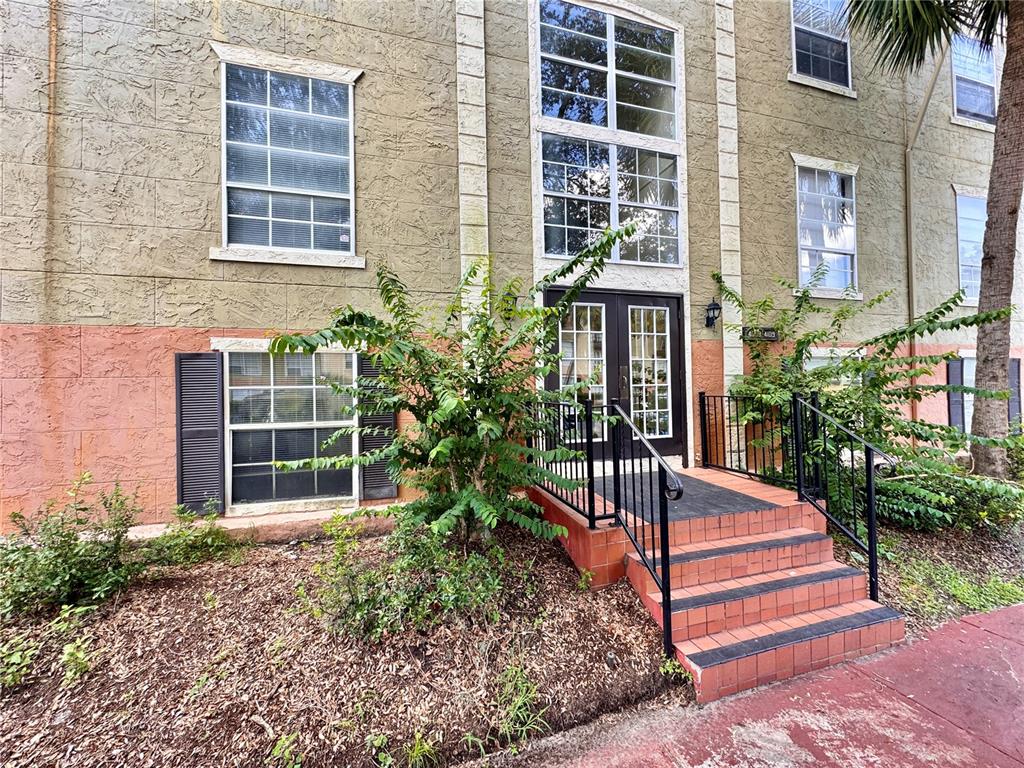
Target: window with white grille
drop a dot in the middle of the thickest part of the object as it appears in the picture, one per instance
(974, 76)
(971, 215)
(287, 161)
(826, 227)
(821, 46)
(610, 145)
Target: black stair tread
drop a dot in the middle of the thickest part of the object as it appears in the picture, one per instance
(764, 587)
(744, 648)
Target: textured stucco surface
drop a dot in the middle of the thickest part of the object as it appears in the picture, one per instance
(110, 202)
(133, 196)
(777, 117)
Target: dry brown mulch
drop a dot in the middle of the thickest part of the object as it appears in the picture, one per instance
(979, 554)
(211, 666)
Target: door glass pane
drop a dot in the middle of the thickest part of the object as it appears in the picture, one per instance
(582, 344)
(650, 389)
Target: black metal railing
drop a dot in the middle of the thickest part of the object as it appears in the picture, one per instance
(835, 472)
(582, 428)
(797, 445)
(619, 476)
(747, 435)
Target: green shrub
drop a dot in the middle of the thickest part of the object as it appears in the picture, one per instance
(869, 388)
(929, 500)
(421, 583)
(74, 554)
(187, 541)
(17, 654)
(470, 382)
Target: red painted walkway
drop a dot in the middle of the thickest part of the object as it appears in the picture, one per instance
(953, 699)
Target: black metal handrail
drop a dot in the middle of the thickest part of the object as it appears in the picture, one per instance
(797, 445)
(614, 458)
(835, 472)
(747, 435)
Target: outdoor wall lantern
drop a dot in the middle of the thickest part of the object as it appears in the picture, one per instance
(712, 313)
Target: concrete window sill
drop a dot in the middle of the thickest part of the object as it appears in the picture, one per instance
(822, 85)
(275, 256)
(832, 293)
(966, 122)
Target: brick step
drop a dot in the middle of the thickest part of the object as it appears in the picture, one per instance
(709, 608)
(702, 526)
(736, 660)
(732, 558)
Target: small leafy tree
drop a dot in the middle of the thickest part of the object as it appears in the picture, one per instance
(869, 388)
(470, 380)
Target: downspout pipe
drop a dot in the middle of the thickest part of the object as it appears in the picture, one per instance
(908, 204)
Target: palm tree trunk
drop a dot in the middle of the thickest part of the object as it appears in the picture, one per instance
(1006, 184)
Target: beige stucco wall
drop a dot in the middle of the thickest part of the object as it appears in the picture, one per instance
(778, 117)
(133, 192)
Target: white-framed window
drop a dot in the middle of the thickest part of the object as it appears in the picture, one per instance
(821, 43)
(282, 408)
(601, 69)
(974, 81)
(826, 223)
(286, 159)
(971, 215)
(970, 369)
(610, 130)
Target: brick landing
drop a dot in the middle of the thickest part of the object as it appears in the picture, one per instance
(756, 595)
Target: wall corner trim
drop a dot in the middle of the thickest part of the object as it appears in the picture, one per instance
(471, 86)
(728, 185)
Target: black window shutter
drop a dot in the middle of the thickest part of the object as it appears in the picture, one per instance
(374, 482)
(955, 377)
(1014, 405)
(199, 378)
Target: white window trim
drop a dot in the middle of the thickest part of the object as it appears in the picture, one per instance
(541, 124)
(814, 82)
(228, 345)
(961, 190)
(293, 65)
(852, 292)
(997, 70)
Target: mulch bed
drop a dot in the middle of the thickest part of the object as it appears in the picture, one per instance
(211, 666)
(979, 554)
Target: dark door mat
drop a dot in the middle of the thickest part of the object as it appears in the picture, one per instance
(700, 499)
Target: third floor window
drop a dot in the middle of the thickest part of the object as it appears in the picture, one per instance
(821, 47)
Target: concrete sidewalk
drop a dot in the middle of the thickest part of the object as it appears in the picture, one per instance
(953, 699)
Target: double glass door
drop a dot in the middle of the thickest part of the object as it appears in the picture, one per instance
(628, 347)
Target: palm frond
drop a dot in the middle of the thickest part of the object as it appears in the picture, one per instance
(906, 33)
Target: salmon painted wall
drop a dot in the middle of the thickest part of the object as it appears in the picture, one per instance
(91, 398)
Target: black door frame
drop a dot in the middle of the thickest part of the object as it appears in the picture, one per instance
(680, 442)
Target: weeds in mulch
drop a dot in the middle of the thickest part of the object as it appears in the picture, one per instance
(934, 586)
(935, 577)
(532, 659)
(78, 553)
(285, 753)
(422, 583)
(519, 714)
(675, 672)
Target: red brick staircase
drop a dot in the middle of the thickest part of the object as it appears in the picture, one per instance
(757, 596)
